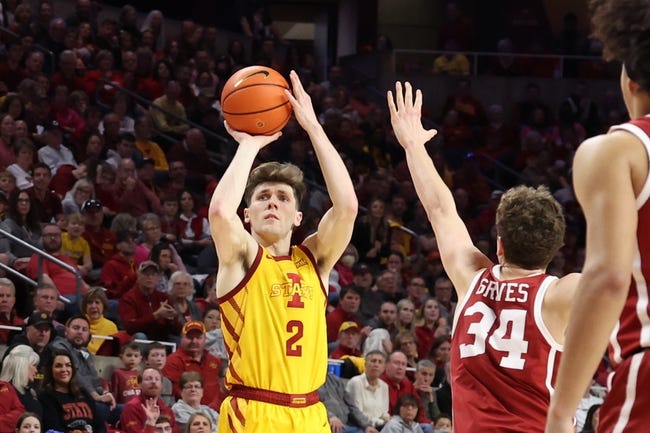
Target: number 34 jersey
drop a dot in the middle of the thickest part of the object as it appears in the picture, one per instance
(274, 326)
(503, 357)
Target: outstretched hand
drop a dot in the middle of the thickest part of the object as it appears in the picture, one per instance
(301, 103)
(257, 140)
(405, 116)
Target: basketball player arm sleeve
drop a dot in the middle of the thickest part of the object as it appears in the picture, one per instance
(602, 179)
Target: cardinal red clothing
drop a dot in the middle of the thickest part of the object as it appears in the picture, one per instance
(12, 320)
(133, 417)
(63, 279)
(209, 367)
(10, 408)
(341, 351)
(503, 357)
(136, 310)
(118, 276)
(396, 390)
(102, 244)
(124, 385)
(334, 321)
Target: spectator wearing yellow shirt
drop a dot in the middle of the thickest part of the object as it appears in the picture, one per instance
(149, 149)
(451, 62)
(74, 245)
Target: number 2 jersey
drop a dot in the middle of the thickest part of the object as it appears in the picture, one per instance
(503, 357)
(273, 325)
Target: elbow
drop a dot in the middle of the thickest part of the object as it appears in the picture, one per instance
(218, 211)
(606, 281)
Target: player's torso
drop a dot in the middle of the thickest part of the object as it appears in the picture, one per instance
(503, 356)
(632, 332)
(274, 325)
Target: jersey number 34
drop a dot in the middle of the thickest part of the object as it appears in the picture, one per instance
(513, 343)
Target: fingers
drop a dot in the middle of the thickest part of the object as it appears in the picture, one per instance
(391, 103)
(399, 96)
(296, 85)
(408, 95)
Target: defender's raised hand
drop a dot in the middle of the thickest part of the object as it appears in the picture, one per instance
(405, 116)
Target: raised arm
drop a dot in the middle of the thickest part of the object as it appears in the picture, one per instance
(335, 227)
(459, 256)
(603, 179)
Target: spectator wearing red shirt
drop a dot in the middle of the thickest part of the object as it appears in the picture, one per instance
(100, 239)
(134, 415)
(118, 273)
(398, 383)
(10, 407)
(192, 356)
(67, 73)
(7, 314)
(132, 195)
(346, 310)
(144, 309)
(349, 338)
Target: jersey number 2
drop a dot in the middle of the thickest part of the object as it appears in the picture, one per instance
(514, 344)
(292, 348)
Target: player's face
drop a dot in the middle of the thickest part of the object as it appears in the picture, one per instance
(273, 210)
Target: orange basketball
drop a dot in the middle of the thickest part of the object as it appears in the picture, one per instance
(253, 101)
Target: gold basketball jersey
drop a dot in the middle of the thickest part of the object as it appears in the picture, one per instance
(274, 326)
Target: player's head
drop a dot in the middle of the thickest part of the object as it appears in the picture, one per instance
(276, 172)
(530, 225)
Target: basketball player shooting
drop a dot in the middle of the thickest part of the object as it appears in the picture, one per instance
(272, 295)
(511, 316)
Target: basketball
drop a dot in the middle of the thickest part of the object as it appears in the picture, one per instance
(253, 101)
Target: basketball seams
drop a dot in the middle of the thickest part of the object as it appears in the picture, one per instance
(255, 112)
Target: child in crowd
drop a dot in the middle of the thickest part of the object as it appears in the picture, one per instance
(124, 381)
(74, 245)
(7, 182)
(163, 424)
(155, 356)
(443, 424)
(406, 410)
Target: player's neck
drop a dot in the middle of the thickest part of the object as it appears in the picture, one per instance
(509, 271)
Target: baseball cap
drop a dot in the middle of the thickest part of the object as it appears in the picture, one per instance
(148, 264)
(144, 161)
(91, 205)
(39, 318)
(193, 325)
(53, 125)
(348, 326)
(360, 269)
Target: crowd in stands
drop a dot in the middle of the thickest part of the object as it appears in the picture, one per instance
(118, 191)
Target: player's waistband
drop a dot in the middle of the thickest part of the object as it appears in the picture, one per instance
(274, 397)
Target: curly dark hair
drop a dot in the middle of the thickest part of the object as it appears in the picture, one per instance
(531, 225)
(624, 28)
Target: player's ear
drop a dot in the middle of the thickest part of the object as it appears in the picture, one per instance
(298, 219)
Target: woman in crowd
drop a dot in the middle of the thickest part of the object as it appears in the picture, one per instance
(193, 231)
(430, 326)
(22, 222)
(200, 423)
(19, 368)
(13, 106)
(66, 407)
(191, 384)
(181, 290)
(29, 422)
(82, 190)
(7, 129)
(371, 234)
(439, 355)
(162, 254)
(22, 168)
(94, 304)
(214, 337)
(152, 234)
(405, 315)
(406, 342)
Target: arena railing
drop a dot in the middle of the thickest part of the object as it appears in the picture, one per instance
(42, 255)
(38, 47)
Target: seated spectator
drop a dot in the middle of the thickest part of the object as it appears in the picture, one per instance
(64, 280)
(119, 272)
(82, 190)
(193, 231)
(121, 108)
(143, 309)
(181, 291)
(155, 356)
(124, 380)
(385, 318)
(406, 342)
(22, 222)
(95, 79)
(169, 215)
(11, 70)
(173, 124)
(451, 62)
(7, 182)
(153, 234)
(368, 392)
(45, 299)
(10, 407)
(147, 147)
(139, 412)
(193, 152)
(63, 166)
(100, 239)
(72, 124)
(406, 415)
(37, 333)
(425, 371)
(342, 413)
(405, 320)
(192, 356)
(430, 326)
(67, 73)
(74, 245)
(124, 148)
(131, 194)
(349, 339)
(213, 335)
(94, 304)
(345, 311)
(47, 201)
(22, 168)
(191, 384)
(7, 128)
(439, 355)
(8, 315)
(443, 424)
(19, 368)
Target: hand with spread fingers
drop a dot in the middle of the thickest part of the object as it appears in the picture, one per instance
(405, 116)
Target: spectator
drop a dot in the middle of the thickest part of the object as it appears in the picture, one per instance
(451, 62)
(10, 408)
(443, 289)
(74, 245)
(342, 413)
(425, 371)
(174, 123)
(22, 168)
(349, 339)
(29, 422)
(8, 315)
(154, 22)
(67, 73)
(147, 147)
(430, 326)
(124, 380)
(59, 158)
(371, 234)
(131, 193)
(100, 239)
(124, 148)
(368, 392)
(405, 315)
(213, 336)
(37, 333)
(94, 304)
(119, 272)
(193, 231)
(191, 384)
(193, 152)
(416, 292)
(82, 190)
(22, 222)
(439, 355)
(407, 412)
(155, 356)
(61, 390)
(46, 201)
(181, 290)
(346, 310)
(192, 356)
(136, 413)
(153, 234)
(143, 309)
(406, 343)
(64, 280)
(19, 368)
(11, 71)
